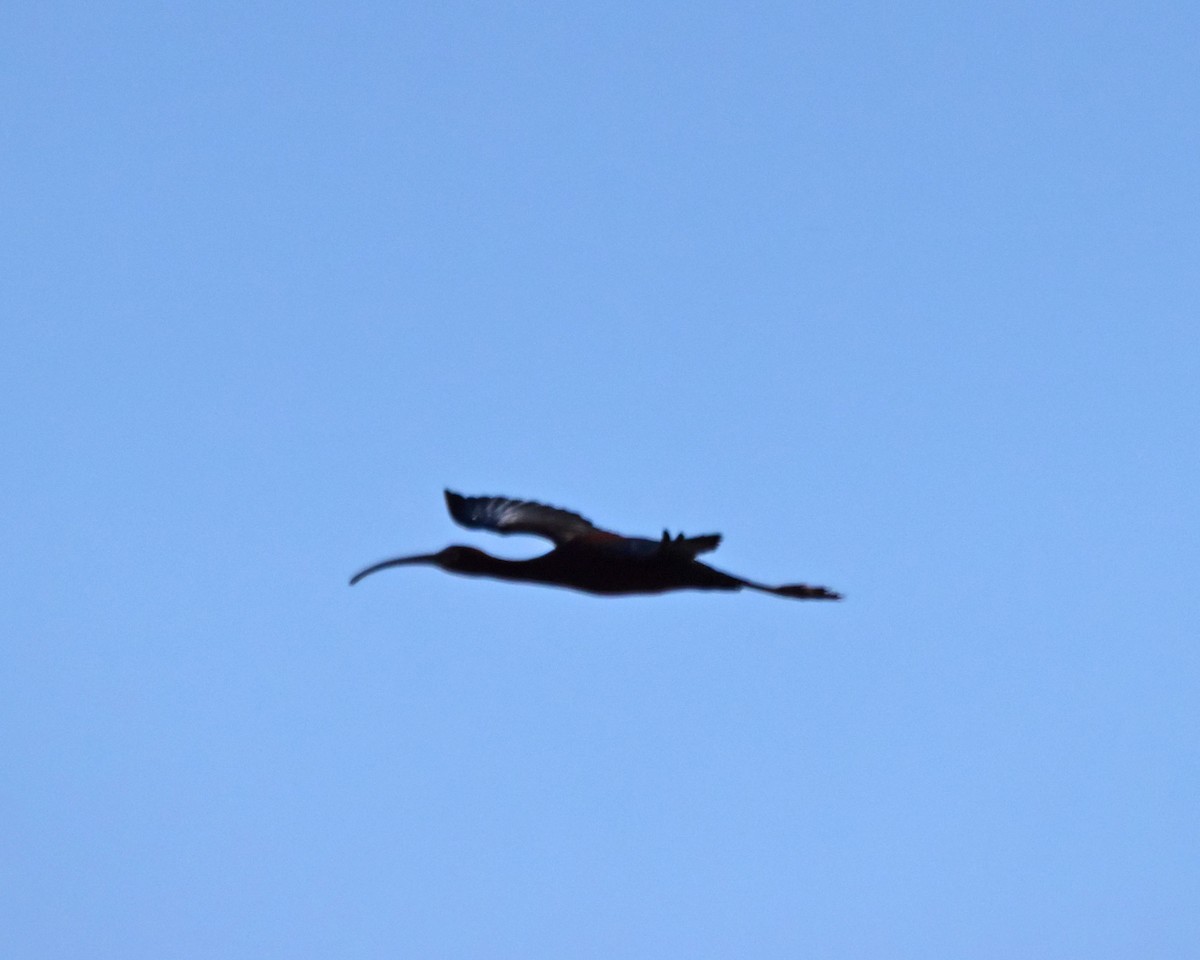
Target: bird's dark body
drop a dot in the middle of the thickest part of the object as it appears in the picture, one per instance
(585, 557)
(609, 572)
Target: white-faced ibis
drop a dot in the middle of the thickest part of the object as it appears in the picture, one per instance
(585, 557)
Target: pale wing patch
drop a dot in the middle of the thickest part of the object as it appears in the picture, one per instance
(505, 515)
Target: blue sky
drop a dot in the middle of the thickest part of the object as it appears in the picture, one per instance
(901, 298)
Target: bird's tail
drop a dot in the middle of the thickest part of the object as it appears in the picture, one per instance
(690, 546)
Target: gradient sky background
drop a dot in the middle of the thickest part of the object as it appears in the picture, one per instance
(901, 298)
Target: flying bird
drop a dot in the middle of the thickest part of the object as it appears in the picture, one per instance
(584, 556)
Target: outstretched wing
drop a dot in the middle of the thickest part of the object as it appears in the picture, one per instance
(502, 515)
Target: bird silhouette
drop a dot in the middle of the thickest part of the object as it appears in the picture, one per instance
(584, 556)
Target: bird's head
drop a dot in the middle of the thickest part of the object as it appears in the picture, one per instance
(460, 559)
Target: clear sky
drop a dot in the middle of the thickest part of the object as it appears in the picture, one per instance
(900, 297)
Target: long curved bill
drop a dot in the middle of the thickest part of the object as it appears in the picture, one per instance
(394, 562)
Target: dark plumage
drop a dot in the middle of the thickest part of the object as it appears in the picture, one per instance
(584, 556)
